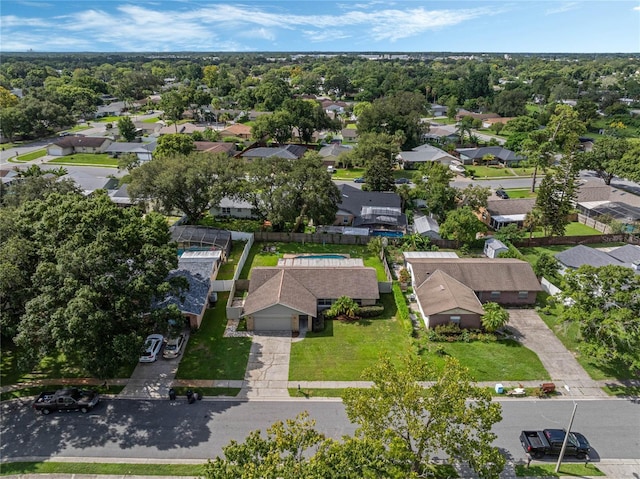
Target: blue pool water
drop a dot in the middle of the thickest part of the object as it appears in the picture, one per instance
(388, 234)
(322, 256)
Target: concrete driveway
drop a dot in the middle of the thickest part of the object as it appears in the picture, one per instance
(267, 372)
(529, 329)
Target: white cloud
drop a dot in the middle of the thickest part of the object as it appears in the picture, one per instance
(637, 9)
(319, 36)
(565, 7)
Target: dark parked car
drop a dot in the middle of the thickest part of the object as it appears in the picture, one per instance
(402, 181)
(502, 194)
(549, 441)
(358, 180)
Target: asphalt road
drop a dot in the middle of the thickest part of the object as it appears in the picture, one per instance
(177, 430)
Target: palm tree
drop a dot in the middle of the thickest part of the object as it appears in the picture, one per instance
(494, 317)
(346, 306)
(532, 220)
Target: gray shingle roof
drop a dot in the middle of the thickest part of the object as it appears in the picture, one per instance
(193, 300)
(499, 152)
(516, 206)
(581, 254)
(354, 199)
(424, 224)
(627, 254)
(289, 152)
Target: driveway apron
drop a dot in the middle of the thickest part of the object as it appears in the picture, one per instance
(267, 371)
(533, 333)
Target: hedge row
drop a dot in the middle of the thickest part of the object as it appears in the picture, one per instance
(403, 309)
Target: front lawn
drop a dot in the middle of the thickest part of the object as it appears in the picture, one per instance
(86, 159)
(97, 468)
(483, 172)
(211, 356)
(348, 173)
(258, 257)
(34, 155)
(520, 193)
(343, 350)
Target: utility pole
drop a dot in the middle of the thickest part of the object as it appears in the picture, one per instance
(566, 435)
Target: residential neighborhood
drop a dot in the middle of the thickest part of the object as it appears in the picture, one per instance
(249, 230)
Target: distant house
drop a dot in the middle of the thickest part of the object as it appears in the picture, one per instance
(78, 144)
(503, 156)
(115, 108)
(331, 154)
(349, 134)
(441, 135)
(378, 211)
(492, 121)
(438, 110)
(234, 208)
(287, 298)
(499, 213)
(476, 116)
(144, 151)
(238, 130)
(411, 160)
(426, 226)
(493, 247)
(288, 152)
(216, 147)
(572, 258)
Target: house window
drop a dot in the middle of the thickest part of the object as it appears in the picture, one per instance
(523, 294)
(239, 210)
(495, 294)
(345, 220)
(455, 320)
(225, 211)
(325, 302)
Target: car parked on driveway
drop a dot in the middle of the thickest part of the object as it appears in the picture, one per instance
(358, 180)
(403, 181)
(502, 194)
(174, 347)
(152, 347)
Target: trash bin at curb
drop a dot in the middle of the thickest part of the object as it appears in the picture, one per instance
(172, 394)
(499, 388)
(190, 398)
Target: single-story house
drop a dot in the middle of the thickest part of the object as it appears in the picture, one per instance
(426, 226)
(476, 116)
(69, 145)
(444, 300)
(144, 151)
(493, 247)
(438, 110)
(349, 134)
(507, 157)
(499, 213)
(411, 160)
(492, 121)
(441, 134)
(238, 130)
(287, 298)
(216, 147)
(376, 210)
(572, 258)
(331, 154)
(234, 208)
(506, 281)
(288, 152)
(182, 128)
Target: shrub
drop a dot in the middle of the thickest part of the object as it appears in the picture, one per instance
(370, 311)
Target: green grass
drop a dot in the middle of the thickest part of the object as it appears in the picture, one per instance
(568, 334)
(68, 468)
(154, 119)
(108, 119)
(343, 350)
(79, 128)
(87, 159)
(481, 172)
(208, 354)
(348, 173)
(34, 155)
(308, 393)
(573, 229)
(566, 469)
(35, 390)
(505, 360)
(182, 391)
(259, 258)
(229, 267)
(520, 193)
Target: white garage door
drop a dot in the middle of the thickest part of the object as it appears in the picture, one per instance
(272, 323)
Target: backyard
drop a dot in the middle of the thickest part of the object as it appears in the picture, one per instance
(86, 159)
(259, 257)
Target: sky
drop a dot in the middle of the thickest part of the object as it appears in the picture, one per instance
(536, 26)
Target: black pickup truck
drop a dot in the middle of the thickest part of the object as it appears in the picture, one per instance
(71, 399)
(549, 441)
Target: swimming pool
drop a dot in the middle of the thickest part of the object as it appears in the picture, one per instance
(388, 234)
(322, 256)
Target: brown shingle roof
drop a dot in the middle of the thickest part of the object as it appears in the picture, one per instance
(81, 141)
(479, 274)
(440, 292)
(215, 147)
(593, 191)
(237, 129)
(297, 283)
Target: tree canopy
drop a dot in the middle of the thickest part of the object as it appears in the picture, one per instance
(87, 273)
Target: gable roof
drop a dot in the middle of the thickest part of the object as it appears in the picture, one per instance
(333, 150)
(440, 132)
(516, 206)
(215, 146)
(499, 152)
(627, 254)
(426, 153)
(299, 287)
(479, 274)
(237, 129)
(423, 224)
(81, 141)
(581, 254)
(288, 152)
(440, 292)
(593, 191)
(354, 199)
